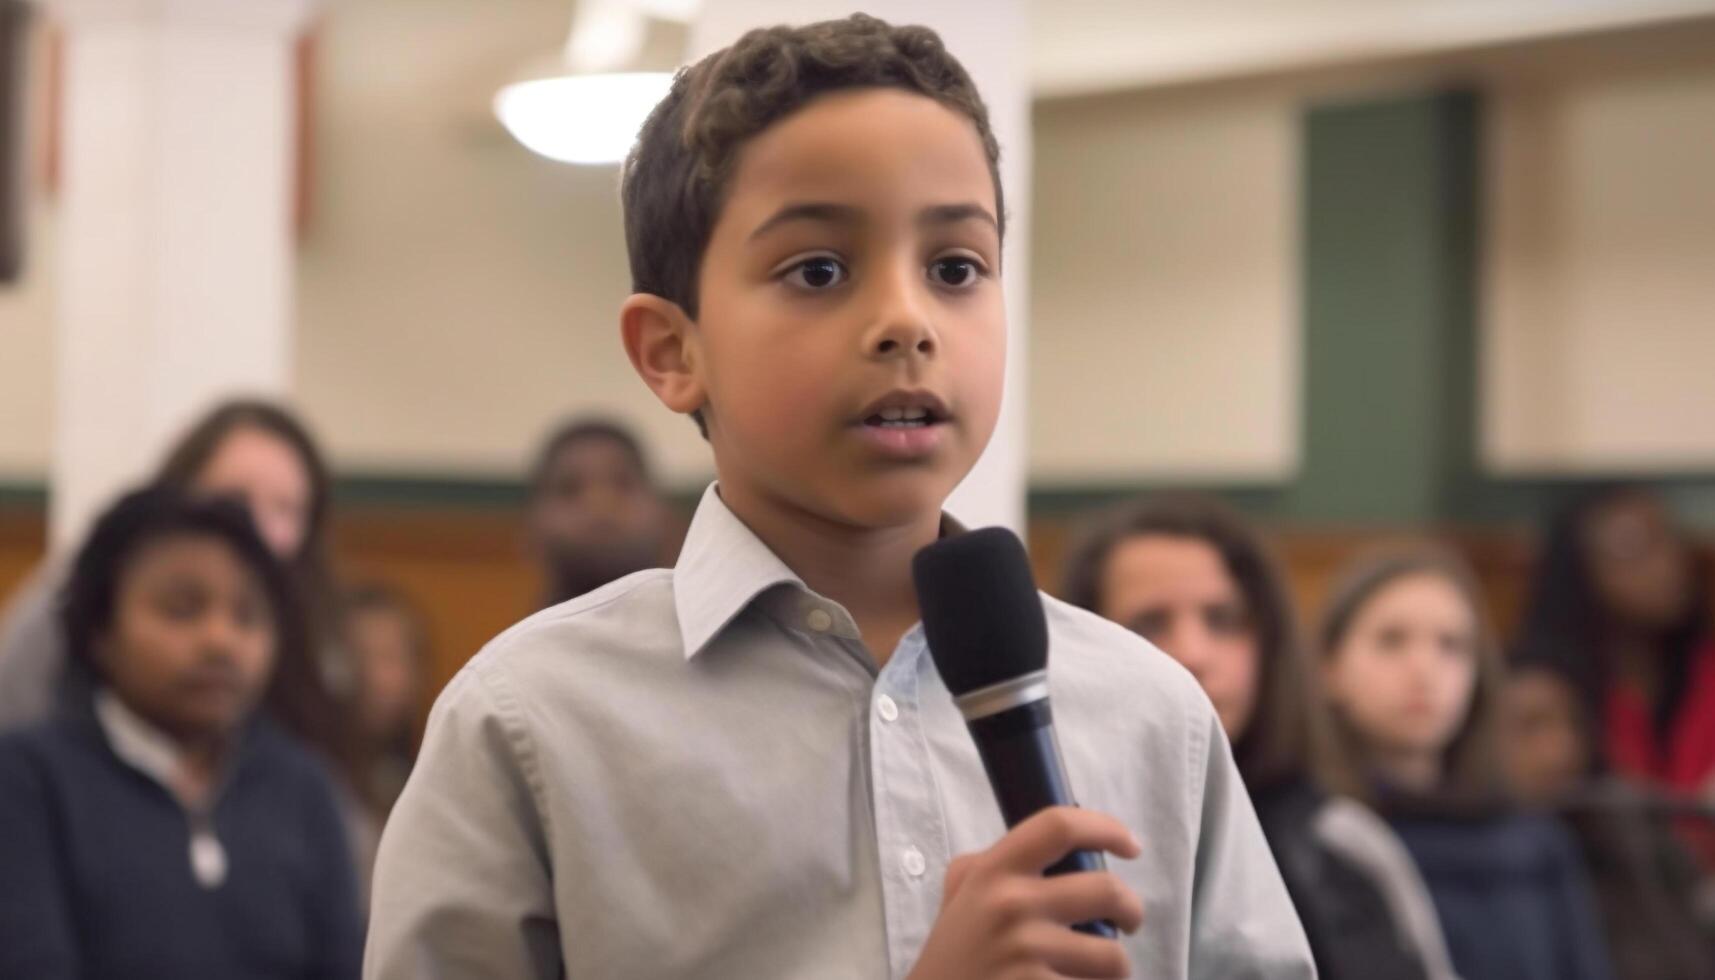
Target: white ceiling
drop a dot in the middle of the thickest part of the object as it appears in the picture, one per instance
(446, 58)
(1087, 46)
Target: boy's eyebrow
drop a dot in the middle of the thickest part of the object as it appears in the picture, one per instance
(947, 214)
(810, 211)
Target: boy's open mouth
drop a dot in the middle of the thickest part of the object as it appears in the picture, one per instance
(901, 418)
(906, 410)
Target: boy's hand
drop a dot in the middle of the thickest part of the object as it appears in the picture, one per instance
(1001, 919)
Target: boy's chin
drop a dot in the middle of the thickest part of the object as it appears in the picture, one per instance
(893, 500)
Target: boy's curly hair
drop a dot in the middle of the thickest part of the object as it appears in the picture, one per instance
(675, 178)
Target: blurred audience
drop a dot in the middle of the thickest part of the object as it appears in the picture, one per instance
(1194, 580)
(158, 825)
(1620, 606)
(1647, 885)
(1416, 680)
(594, 513)
(258, 453)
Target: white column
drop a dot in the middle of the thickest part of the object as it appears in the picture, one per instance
(990, 37)
(175, 243)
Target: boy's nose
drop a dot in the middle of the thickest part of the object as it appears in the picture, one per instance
(904, 338)
(902, 327)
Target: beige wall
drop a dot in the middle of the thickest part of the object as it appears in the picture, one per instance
(457, 293)
(1166, 340)
(1599, 350)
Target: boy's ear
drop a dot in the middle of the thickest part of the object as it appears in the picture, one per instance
(660, 340)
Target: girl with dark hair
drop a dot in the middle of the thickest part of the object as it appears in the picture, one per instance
(1415, 681)
(161, 828)
(1620, 606)
(259, 454)
(1191, 577)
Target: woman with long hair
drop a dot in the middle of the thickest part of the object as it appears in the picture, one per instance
(1621, 607)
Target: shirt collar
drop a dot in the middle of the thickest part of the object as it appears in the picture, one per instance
(137, 743)
(724, 567)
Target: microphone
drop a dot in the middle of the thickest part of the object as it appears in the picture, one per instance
(983, 619)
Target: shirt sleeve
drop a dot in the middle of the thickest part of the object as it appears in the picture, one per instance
(1243, 926)
(37, 934)
(463, 887)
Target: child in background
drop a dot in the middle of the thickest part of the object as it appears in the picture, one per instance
(1646, 883)
(161, 828)
(1189, 576)
(1415, 681)
(748, 766)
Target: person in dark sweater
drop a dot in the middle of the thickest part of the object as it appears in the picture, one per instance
(157, 826)
(1415, 678)
(1647, 883)
(1191, 577)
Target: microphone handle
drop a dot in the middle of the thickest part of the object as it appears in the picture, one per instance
(1023, 762)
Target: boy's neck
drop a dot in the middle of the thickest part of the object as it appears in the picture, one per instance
(866, 570)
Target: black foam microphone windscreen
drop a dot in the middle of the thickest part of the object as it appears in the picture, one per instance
(981, 614)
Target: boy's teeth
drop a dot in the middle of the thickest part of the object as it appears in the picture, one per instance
(915, 413)
(892, 414)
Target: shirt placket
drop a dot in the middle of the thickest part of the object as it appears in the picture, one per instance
(910, 836)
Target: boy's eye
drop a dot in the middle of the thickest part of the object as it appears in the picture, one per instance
(956, 272)
(821, 272)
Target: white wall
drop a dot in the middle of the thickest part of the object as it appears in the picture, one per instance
(1166, 340)
(457, 293)
(1600, 343)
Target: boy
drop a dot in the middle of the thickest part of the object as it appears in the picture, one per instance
(594, 515)
(747, 766)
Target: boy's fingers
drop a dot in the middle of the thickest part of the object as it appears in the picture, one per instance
(1073, 954)
(957, 871)
(1089, 895)
(1057, 831)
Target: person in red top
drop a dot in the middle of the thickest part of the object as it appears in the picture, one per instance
(1621, 606)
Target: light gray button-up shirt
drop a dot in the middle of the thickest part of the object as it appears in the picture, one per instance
(701, 773)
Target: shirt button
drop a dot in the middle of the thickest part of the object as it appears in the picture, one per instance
(820, 620)
(887, 708)
(914, 863)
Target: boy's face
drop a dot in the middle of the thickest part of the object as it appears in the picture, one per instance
(191, 646)
(851, 340)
